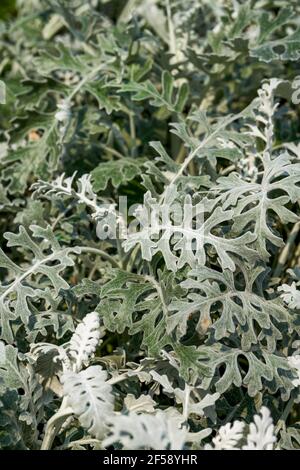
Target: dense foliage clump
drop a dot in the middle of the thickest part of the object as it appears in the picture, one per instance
(149, 208)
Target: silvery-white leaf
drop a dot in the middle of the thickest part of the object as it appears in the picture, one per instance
(142, 431)
(91, 398)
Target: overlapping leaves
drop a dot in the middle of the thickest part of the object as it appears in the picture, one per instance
(243, 307)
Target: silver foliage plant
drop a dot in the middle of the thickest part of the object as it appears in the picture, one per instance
(170, 322)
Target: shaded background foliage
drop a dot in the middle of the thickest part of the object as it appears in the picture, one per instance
(133, 70)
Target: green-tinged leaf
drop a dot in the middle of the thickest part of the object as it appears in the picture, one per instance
(119, 172)
(241, 311)
(34, 158)
(48, 262)
(173, 102)
(248, 369)
(287, 48)
(256, 203)
(19, 376)
(178, 241)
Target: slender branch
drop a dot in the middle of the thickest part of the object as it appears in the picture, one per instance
(160, 293)
(32, 270)
(287, 250)
(92, 272)
(185, 411)
(194, 152)
(131, 257)
(181, 154)
(285, 414)
(54, 424)
(172, 37)
(227, 170)
(112, 151)
(85, 79)
(132, 133)
(120, 378)
(80, 442)
(60, 216)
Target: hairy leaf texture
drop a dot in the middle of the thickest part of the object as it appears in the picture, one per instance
(189, 397)
(149, 207)
(141, 304)
(178, 241)
(259, 437)
(228, 436)
(119, 172)
(144, 431)
(290, 44)
(263, 369)
(88, 70)
(255, 204)
(290, 295)
(63, 187)
(32, 156)
(90, 397)
(17, 375)
(85, 340)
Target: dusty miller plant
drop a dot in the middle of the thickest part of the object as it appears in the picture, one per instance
(182, 333)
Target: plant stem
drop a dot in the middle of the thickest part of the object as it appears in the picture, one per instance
(54, 424)
(172, 37)
(82, 442)
(194, 152)
(121, 253)
(180, 156)
(85, 79)
(285, 414)
(287, 250)
(159, 290)
(120, 378)
(185, 411)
